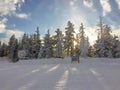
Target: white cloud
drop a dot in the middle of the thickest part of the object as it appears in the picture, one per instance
(2, 25)
(4, 40)
(116, 31)
(17, 33)
(73, 4)
(9, 7)
(88, 3)
(118, 2)
(8, 33)
(22, 15)
(2, 28)
(4, 20)
(106, 6)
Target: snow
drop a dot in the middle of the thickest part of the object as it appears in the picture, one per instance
(60, 74)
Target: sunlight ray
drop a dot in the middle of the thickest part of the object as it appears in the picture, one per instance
(53, 68)
(62, 82)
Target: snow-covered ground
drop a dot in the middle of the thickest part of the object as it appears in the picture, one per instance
(60, 74)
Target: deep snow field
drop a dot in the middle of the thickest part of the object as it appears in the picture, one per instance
(60, 74)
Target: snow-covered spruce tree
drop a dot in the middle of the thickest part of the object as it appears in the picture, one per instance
(58, 40)
(30, 45)
(13, 49)
(91, 51)
(69, 39)
(0, 43)
(42, 52)
(0, 49)
(116, 47)
(24, 42)
(84, 42)
(104, 44)
(30, 50)
(3, 50)
(48, 49)
(24, 47)
(35, 44)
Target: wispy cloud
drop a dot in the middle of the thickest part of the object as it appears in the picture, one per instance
(118, 2)
(73, 4)
(22, 15)
(2, 25)
(9, 8)
(116, 31)
(8, 33)
(88, 3)
(17, 33)
(106, 6)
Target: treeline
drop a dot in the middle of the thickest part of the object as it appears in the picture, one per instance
(61, 45)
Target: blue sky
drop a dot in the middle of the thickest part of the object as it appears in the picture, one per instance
(23, 16)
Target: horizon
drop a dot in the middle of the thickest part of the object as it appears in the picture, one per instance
(24, 16)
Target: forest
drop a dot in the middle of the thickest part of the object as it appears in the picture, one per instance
(63, 44)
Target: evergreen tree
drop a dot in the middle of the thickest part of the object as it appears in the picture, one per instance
(30, 45)
(13, 49)
(69, 39)
(0, 43)
(37, 42)
(24, 47)
(90, 51)
(25, 42)
(104, 44)
(116, 47)
(0, 49)
(30, 50)
(84, 42)
(3, 50)
(48, 49)
(58, 39)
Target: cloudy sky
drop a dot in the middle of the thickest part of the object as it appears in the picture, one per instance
(23, 16)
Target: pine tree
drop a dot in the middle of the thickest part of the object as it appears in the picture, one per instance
(37, 42)
(0, 43)
(69, 39)
(0, 49)
(90, 51)
(25, 42)
(24, 47)
(104, 44)
(13, 49)
(48, 49)
(58, 39)
(3, 50)
(116, 47)
(84, 42)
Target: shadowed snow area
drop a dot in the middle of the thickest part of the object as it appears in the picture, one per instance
(60, 74)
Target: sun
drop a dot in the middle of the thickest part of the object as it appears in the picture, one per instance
(92, 37)
(90, 33)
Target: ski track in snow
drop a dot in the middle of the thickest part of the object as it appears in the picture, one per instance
(58, 74)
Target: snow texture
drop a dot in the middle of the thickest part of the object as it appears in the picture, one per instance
(60, 74)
